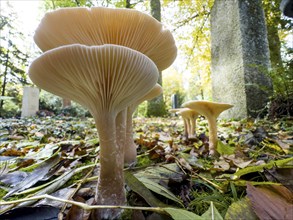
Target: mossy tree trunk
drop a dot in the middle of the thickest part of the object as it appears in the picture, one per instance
(273, 19)
(156, 106)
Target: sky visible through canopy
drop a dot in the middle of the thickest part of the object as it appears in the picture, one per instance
(27, 11)
(30, 12)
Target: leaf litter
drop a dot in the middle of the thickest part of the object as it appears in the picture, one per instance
(57, 156)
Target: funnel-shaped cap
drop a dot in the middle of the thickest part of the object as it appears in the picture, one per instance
(207, 108)
(108, 77)
(98, 25)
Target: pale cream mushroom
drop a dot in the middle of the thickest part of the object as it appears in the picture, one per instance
(189, 117)
(105, 79)
(211, 110)
(130, 147)
(99, 25)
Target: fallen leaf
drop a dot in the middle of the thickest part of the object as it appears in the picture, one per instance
(34, 176)
(181, 214)
(282, 175)
(241, 210)
(157, 188)
(75, 212)
(224, 149)
(29, 213)
(260, 168)
(138, 187)
(212, 213)
(267, 204)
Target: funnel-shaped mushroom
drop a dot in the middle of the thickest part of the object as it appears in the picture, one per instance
(105, 79)
(189, 117)
(211, 110)
(98, 25)
(130, 147)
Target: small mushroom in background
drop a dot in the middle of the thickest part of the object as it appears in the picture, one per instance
(106, 80)
(189, 117)
(130, 152)
(211, 110)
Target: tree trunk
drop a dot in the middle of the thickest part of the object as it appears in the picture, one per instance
(274, 46)
(156, 9)
(4, 82)
(273, 17)
(156, 106)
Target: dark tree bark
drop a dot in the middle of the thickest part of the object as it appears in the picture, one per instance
(156, 9)
(156, 106)
(273, 19)
(4, 81)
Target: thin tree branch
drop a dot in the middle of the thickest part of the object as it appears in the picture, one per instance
(185, 21)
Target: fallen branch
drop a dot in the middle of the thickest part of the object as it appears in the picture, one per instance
(83, 205)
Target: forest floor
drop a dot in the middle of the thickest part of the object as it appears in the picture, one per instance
(57, 156)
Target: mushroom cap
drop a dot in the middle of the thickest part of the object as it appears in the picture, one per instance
(154, 92)
(207, 108)
(174, 110)
(101, 78)
(99, 25)
(183, 111)
(187, 113)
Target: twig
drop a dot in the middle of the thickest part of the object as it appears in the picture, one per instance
(80, 182)
(147, 152)
(83, 205)
(209, 182)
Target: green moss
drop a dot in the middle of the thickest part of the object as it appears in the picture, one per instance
(3, 192)
(76, 177)
(126, 214)
(143, 161)
(30, 168)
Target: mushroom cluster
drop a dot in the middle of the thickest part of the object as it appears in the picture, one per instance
(210, 110)
(189, 117)
(107, 60)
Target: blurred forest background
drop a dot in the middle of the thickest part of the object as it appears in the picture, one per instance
(188, 78)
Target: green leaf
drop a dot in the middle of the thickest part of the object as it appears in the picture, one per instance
(45, 152)
(56, 183)
(278, 163)
(34, 176)
(191, 159)
(224, 149)
(212, 213)
(254, 183)
(157, 188)
(240, 210)
(181, 214)
(142, 190)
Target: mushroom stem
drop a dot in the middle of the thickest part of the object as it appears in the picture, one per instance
(186, 128)
(110, 188)
(130, 147)
(192, 132)
(213, 138)
(121, 128)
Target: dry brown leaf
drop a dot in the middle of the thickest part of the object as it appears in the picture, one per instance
(270, 203)
(75, 212)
